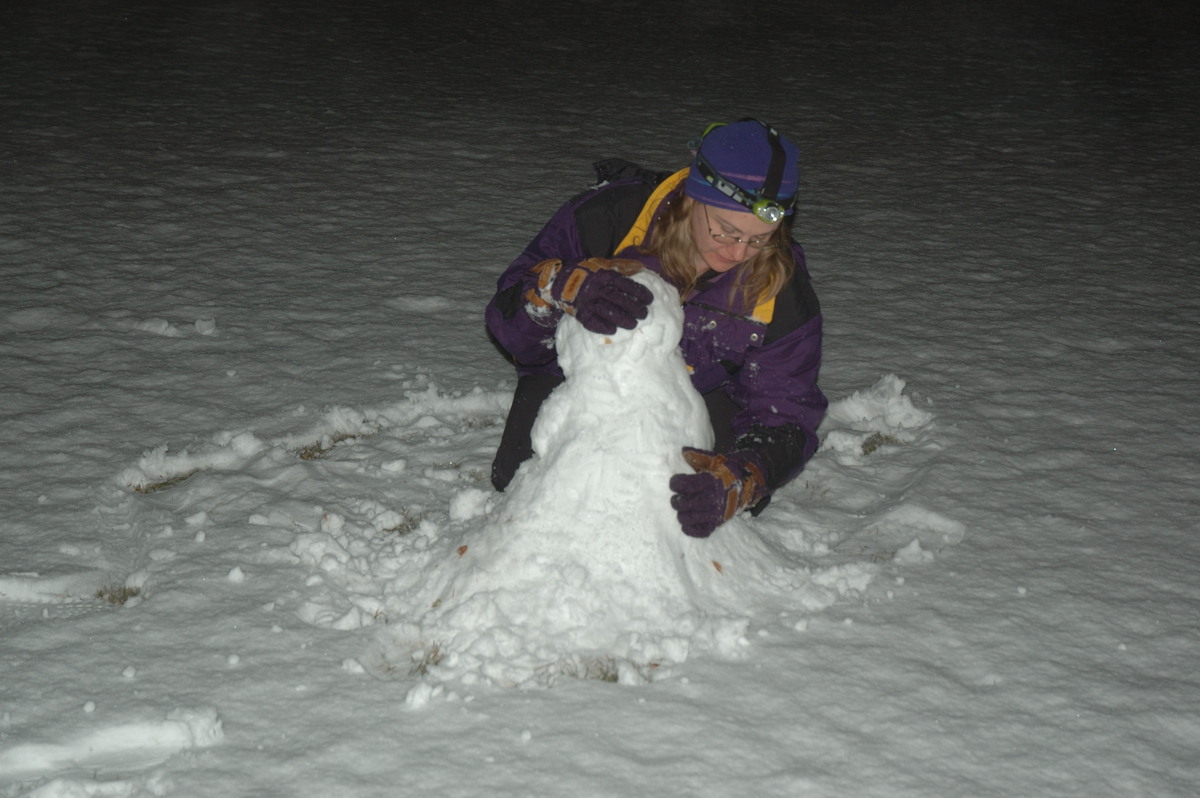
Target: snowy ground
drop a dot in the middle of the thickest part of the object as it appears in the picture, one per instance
(245, 390)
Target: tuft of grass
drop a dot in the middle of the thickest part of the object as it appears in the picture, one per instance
(117, 595)
(876, 440)
(318, 449)
(423, 660)
(409, 520)
(162, 484)
(602, 669)
(598, 669)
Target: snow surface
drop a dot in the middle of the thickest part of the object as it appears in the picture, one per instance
(248, 408)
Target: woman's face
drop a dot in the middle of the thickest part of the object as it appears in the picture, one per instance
(723, 237)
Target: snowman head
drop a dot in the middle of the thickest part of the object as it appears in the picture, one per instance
(653, 340)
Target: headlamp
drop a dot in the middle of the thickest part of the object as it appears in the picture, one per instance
(769, 211)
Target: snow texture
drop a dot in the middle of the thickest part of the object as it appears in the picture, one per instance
(248, 406)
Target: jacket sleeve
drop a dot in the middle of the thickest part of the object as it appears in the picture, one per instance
(782, 406)
(529, 342)
(590, 225)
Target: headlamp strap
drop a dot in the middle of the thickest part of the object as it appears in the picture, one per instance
(731, 190)
(775, 170)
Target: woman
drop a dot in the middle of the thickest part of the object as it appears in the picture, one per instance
(718, 231)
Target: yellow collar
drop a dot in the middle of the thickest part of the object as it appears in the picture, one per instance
(637, 233)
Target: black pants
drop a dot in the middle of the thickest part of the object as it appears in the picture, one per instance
(516, 447)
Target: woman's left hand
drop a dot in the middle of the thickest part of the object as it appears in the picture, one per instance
(722, 485)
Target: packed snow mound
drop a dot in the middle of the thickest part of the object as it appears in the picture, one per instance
(117, 747)
(605, 445)
(582, 559)
(865, 420)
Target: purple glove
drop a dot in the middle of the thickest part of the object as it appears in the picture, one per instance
(597, 291)
(722, 485)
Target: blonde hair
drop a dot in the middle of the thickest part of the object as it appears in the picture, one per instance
(758, 279)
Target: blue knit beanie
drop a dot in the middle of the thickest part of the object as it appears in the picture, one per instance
(741, 154)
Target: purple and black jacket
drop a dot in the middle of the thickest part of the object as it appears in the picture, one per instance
(765, 358)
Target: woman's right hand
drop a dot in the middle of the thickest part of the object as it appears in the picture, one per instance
(596, 291)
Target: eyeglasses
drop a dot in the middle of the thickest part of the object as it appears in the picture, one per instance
(726, 240)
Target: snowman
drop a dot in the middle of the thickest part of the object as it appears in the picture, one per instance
(583, 554)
